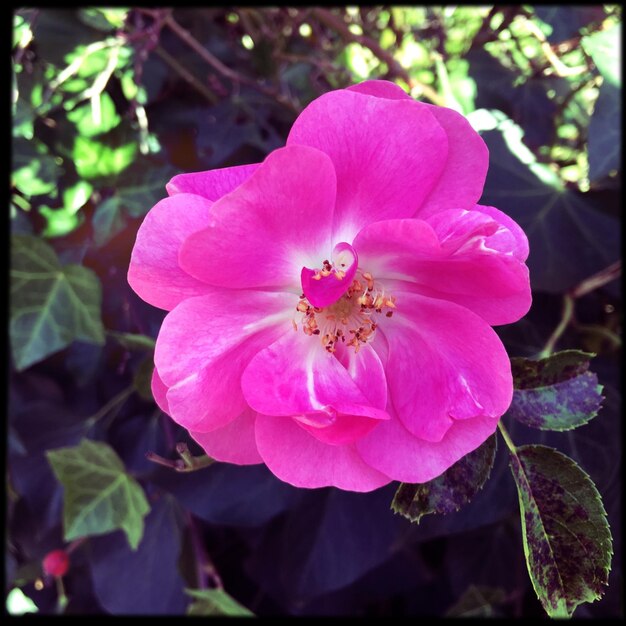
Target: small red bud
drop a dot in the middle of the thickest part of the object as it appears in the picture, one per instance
(56, 563)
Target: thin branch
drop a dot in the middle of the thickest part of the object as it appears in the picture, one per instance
(341, 28)
(206, 574)
(607, 275)
(566, 317)
(507, 438)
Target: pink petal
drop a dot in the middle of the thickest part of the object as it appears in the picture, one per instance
(520, 248)
(301, 460)
(465, 257)
(264, 232)
(445, 363)
(204, 345)
(296, 376)
(463, 178)
(159, 391)
(388, 155)
(233, 443)
(381, 89)
(154, 273)
(212, 184)
(322, 291)
(392, 449)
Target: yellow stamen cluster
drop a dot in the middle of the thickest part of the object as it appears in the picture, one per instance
(350, 320)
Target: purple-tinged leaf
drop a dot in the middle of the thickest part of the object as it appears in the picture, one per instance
(450, 491)
(555, 393)
(567, 540)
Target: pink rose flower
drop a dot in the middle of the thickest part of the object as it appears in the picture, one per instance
(330, 309)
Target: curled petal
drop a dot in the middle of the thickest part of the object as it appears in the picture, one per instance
(267, 229)
(461, 256)
(296, 457)
(159, 392)
(212, 184)
(154, 273)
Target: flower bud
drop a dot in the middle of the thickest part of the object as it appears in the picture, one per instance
(56, 563)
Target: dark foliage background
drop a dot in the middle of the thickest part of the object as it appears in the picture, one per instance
(108, 104)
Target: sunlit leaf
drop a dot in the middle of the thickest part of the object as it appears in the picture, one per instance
(99, 496)
(35, 171)
(215, 602)
(51, 305)
(60, 222)
(555, 393)
(17, 603)
(85, 119)
(605, 49)
(450, 491)
(567, 541)
(94, 159)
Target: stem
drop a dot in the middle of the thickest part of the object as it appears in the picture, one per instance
(507, 439)
(187, 463)
(62, 599)
(112, 403)
(206, 574)
(566, 318)
(598, 280)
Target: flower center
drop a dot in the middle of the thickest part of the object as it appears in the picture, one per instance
(351, 320)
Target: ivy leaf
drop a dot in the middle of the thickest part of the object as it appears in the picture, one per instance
(99, 495)
(605, 49)
(604, 127)
(450, 491)
(555, 393)
(567, 540)
(51, 305)
(215, 602)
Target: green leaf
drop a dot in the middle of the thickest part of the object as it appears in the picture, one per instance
(555, 393)
(604, 131)
(99, 495)
(567, 540)
(215, 602)
(142, 381)
(561, 224)
(448, 492)
(139, 188)
(94, 159)
(133, 341)
(567, 20)
(51, 305)
(76, 197)
(90, 122)
(107, 220)
(477, 601)
(17, 603)
(605, 48)
(35, 170)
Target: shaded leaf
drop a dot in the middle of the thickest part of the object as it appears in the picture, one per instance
(142, 380)
(477, 601)
(449, 491)
(555, 393)
(215, 602)
(51, 305)
(107, 220)
(133, 341)
(147, 580)
(569, 239)
(567, 540)
(567, 20)
(139, 188)
(98, 494)
(605, 131)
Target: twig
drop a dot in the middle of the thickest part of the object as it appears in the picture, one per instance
(187, 463)
(116, 400)
(395, 68)
(566, 317)
(207, 575)
(507, 439)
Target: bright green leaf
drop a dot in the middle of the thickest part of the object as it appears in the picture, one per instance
(87, 122)
(60, 222)
(99, 496)
(555, 393)
(94, 159)
(17, 603)
(51, 305)
(35, 171)
(215, 602)
(450, 491)
(605, 48)
(76, 197)
(567, 540)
